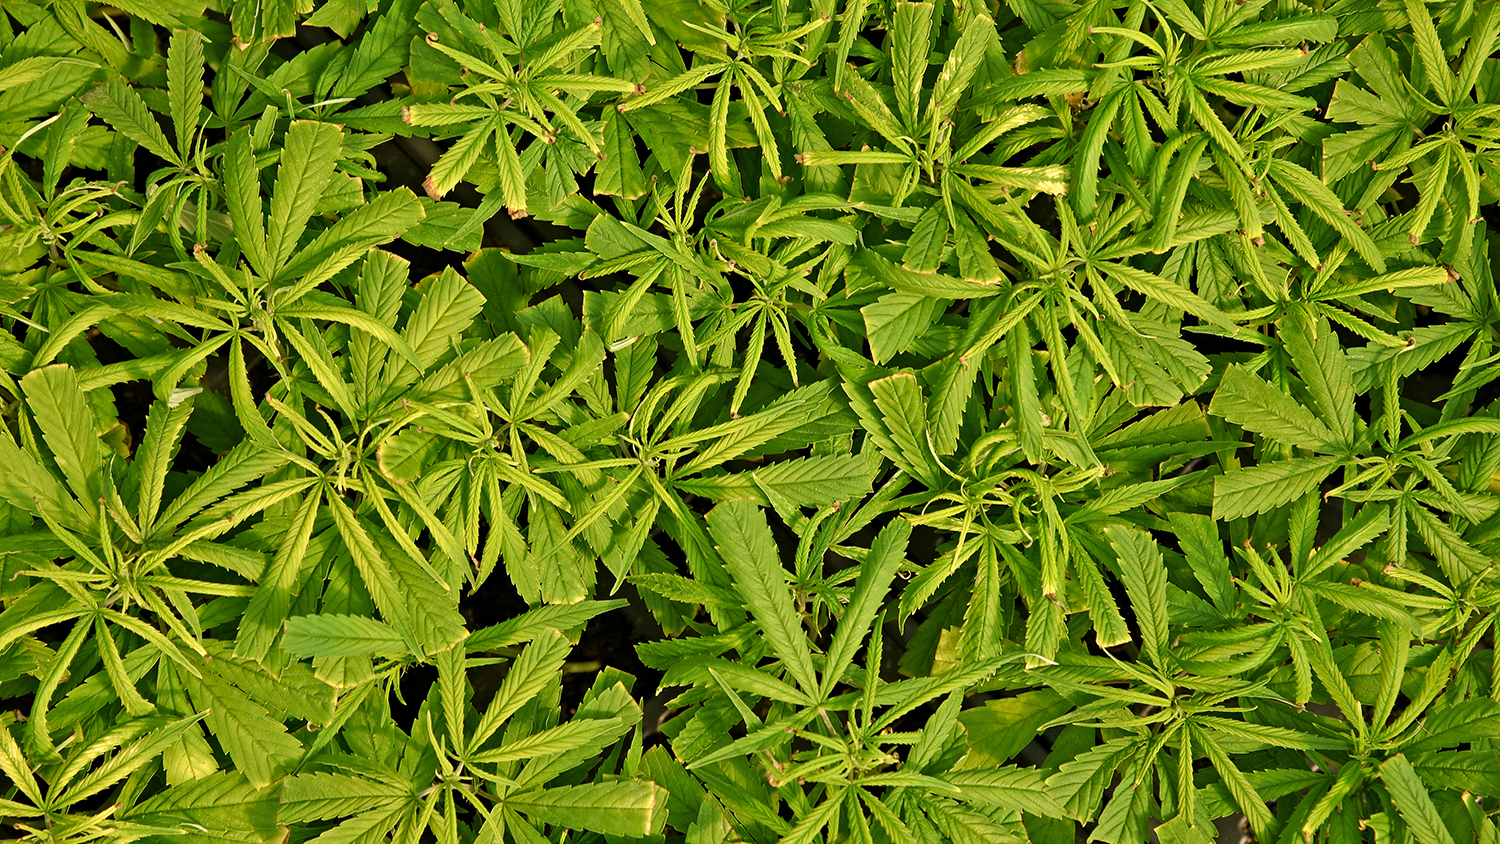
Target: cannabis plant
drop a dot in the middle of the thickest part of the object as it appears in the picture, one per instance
(707, 421)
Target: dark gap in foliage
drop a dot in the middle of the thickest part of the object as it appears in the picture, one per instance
(495, 600)
(426, 261)
(412, 689)
(1434, 381)
(609, 640)
(132, 398)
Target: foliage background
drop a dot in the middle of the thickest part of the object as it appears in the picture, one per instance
(785, 420)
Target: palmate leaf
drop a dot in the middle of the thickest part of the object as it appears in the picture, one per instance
(131, 757)
(896, 321)
(28, 487)
(1317, 198)
(384, 219)
(185, 85)
(536, 665)
(1324, 369)
(165, 425)
(1460, 723)
(268, 608)
(242, 197)
(449, 305)
(375, 571)
(903, 411)
(221, 801)
(1240, 786)
(619, 173)
(537, 622)
(804, 482)
(921, 284)
(560, 739)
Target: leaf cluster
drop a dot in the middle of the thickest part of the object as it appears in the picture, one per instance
(985, 421)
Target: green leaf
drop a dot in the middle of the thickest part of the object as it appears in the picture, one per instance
(512, 177)
(325, 796)
(307, 164)
(131, 757)
(1370, 522)
(803, 482)
(960, 67)
(1026, 405)
(1086, 162)
(328, 636)
(185, 84)
(924, 249)
(242, 195)
(1245, 795)
(619, 173)
(1410, 277)
(448, 305)
(629, 808)
(743, 538)
(220, 801)
(1257, 489)
(887, 554)
(1366, 602)
(123, 109)
(538, 664)
(903, 409)
(1413, 802)
(1002, 728)
(537, 622)
(60, 409)
(1436, 70)
(28, 70)
(164, 429)
(1145, 577)
(1017, 789)
(1255, 405)
(903, 280)
(384, 219)
(896, 321)
(1166, 292)
(1465, 722)
(375, 571)
(1315, 352)
(1321, 201)
(560, 739)
(458, 160)
(259, 746)
(910, 28)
